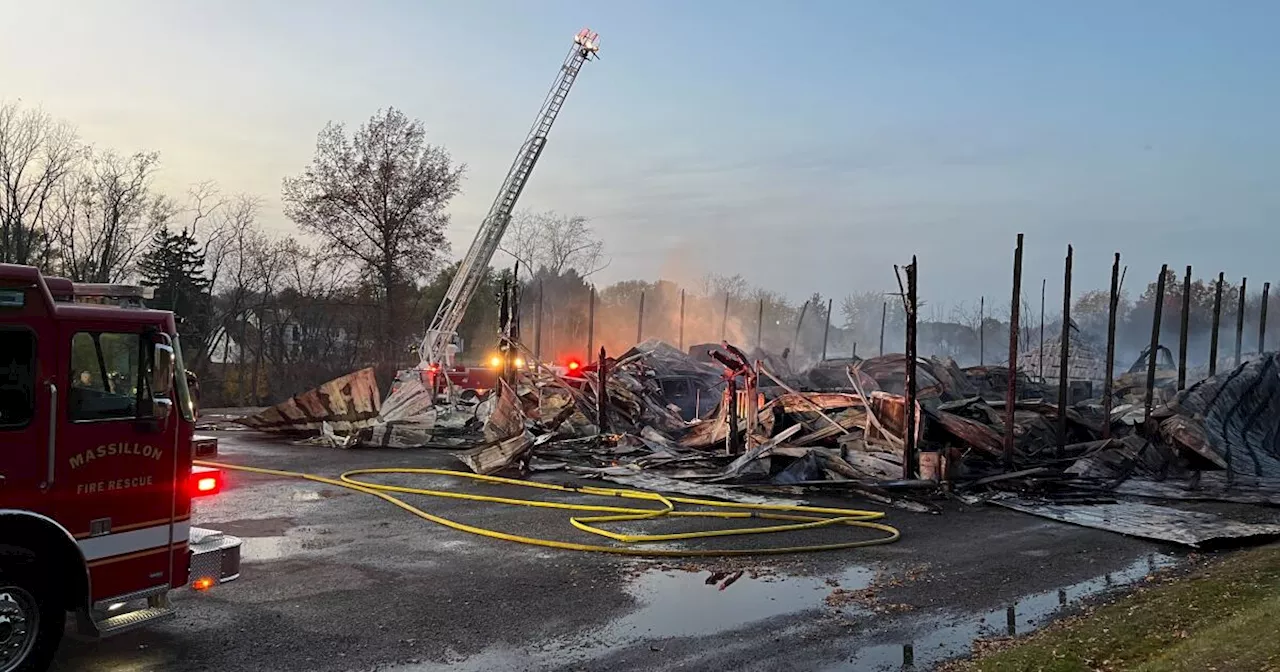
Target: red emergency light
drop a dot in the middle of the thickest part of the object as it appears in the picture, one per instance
(205, 481)
(574, 365)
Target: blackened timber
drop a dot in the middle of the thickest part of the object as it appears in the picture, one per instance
(1182, 330)
(909, 429)
(1011, 394)
(1154, 346)
(826, 331)
(1244, 282)
(1064, 354)
(1110, 367)
(640, 321)
(1262, 318)
(1217, 326)
(602, 393)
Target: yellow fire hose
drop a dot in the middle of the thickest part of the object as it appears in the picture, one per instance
(612, 514)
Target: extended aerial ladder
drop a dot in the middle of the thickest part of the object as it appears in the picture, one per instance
(475, 265)
(412, 393)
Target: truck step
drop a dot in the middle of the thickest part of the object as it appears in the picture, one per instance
(115, 625)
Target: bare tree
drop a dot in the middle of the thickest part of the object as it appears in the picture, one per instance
(379, 198)
(230, 260)
(733, 286)
(555, 242)
(230, 219)
(204, 199)
(316, 313)
(36, 153)
(521, 239)
(966, 314)
(102, 216)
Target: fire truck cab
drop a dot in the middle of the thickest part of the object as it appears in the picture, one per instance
(96, 479)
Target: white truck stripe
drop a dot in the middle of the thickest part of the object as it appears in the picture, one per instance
(109, 545)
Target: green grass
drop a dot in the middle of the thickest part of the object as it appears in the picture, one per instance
(1222, 617)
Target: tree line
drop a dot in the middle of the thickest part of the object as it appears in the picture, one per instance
(264, 315)
(261, 315)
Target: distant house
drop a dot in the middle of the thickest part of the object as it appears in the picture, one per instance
(284, 337)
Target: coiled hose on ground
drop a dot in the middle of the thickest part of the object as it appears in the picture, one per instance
(797, 517)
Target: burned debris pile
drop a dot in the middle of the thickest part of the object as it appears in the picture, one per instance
(718, 421)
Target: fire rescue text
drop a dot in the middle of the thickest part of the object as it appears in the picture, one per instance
(116, 484)
(110, 449)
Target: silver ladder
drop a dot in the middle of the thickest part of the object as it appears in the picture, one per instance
(475, 265)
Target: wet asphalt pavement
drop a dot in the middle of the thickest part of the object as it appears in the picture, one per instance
(337, 580)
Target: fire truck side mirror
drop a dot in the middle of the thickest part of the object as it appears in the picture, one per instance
(162, 371)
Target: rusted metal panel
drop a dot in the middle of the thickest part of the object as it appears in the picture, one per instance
(507, 420)
(492, 458)
(971, 432)
(348, 403)
(810, 401)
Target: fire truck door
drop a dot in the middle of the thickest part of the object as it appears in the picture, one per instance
(26, 369)
(119, 458)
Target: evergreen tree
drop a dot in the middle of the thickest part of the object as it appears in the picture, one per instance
(174, 265)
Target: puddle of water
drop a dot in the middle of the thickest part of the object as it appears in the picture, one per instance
(259, 549)
(672, 604)
(942, 639)
(692, 604)
(257, 527)
(306, 496)
(696, 604)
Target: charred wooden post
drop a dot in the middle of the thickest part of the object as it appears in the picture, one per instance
(1113, 306)
(1064, 355)
(1153, 347)
(1043, 283)
(909, 427)
(504, 328)
(1011, 394)
(640, 321)
(551, 328)
(514, 335)
(602, 392)
(1217, 326)
(517, 297)
(884, 315)
(1262, 318)
(1244, 282)
(795, 339)
(724, 317)
(682, 320)
(1183, 330)
(826, 331)
(751, 410)
(591, 321)
(733, 442)
(760, 326)
(982, 331)
(537, 330)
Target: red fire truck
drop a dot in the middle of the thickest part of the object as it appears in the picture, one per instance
(96, 478)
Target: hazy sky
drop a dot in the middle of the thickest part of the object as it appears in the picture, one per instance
(807, 145)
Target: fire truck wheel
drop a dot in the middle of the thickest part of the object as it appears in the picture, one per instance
(31, 621)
